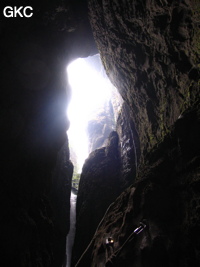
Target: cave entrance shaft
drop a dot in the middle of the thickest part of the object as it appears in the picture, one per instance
(92, 110)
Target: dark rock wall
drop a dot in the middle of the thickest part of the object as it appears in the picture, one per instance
(148, 50)
(60, 198)
(99, 186)
(34, 192)
(129, 146)
(167, 196)
(33, 128)
(106, 173)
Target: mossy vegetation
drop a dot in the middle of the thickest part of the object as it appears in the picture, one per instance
(76, 174)
(75, 180)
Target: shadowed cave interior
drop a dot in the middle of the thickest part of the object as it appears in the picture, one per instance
(138, 201)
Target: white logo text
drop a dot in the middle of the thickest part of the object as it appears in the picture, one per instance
(13, 12)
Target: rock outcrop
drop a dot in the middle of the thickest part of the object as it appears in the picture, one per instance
(106, 173)
(60, 199)
(98, 188)
(150, 50)
(166, 196)
(129, 146)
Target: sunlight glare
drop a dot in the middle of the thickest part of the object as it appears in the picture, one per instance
(89, 93)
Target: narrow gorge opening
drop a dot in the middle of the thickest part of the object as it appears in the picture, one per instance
(92, 110)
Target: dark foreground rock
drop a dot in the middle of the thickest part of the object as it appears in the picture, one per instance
(167, 196)
(34, 183)
(99, 186)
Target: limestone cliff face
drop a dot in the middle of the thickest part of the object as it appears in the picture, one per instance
(106, 173)
(167, 196)
(99, 186)
(129, 146)
(149, 50)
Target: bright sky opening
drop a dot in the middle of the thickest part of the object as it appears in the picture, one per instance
(90, 89)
